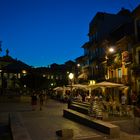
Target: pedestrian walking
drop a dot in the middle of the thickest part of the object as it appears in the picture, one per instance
(41, 100)
(34, 101)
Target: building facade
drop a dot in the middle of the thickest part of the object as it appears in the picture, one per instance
(136, 51)
(100, 40)
(11, 70)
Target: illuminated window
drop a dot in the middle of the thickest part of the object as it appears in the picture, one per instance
(15, 75)
(5, 75)
(10, 75)
(19, 75)
(52, 76)
(119, 73)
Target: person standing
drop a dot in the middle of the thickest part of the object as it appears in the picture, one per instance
(123, 103)
(123, 99)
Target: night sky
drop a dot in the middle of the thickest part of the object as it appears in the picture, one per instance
(42, 32)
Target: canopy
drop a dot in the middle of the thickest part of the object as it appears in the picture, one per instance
(79, 86)
(61, 88)
(106, 84)
(58, 88)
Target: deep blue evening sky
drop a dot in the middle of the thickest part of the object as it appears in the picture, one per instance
(42, 32)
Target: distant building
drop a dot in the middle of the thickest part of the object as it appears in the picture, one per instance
(10, 71)
(57, 74)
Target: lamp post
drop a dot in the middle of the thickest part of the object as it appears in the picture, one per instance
(1, 75)
(71, 76)
(109, 51)
(24, 72)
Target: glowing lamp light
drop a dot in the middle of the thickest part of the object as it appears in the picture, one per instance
(24, 71)
(78, 65)
(111, 49)
(71, 76)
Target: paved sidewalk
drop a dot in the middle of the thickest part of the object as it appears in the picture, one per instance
(42, 125)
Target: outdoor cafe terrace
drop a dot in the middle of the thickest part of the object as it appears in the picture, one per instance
(110, 105)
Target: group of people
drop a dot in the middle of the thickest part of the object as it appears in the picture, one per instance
(34, 100)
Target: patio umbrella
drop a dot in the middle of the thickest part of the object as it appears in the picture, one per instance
(106, 84)
(80, 86)
(58, 88)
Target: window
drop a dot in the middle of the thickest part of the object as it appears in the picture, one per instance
(111, 74)
(19, 75)
(119, 73)
(52, 76)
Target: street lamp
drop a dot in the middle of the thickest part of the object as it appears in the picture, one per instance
(71, 76)
(24, 72)
(1, 75)
(111, 50)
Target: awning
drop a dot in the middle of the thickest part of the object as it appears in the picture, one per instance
(106, 84)
(79, 86)
(58, 88)
(61, 88)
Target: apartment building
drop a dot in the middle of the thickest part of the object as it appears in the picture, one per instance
(136, 51)
(103, 34)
